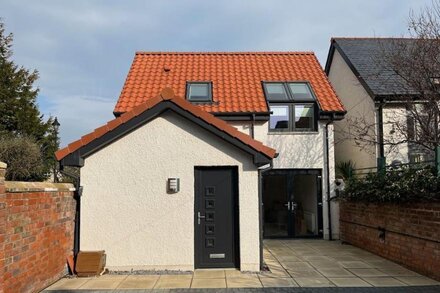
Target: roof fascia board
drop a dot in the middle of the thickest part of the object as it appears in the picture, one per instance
(332, 115)
(240, 113)
(351, 66)
(330, 54)
(74, 159)
(397, 98)
(77, 158)
(244, 117)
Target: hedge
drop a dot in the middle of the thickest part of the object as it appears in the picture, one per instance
(403, 184)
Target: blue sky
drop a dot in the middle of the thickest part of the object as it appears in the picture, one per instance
(83, 49)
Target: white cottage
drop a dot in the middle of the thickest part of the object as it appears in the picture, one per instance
(209, 154)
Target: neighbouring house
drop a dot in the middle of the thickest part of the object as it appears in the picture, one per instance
(209, 153)
(374, 95)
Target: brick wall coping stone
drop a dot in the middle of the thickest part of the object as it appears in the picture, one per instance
(18, 187)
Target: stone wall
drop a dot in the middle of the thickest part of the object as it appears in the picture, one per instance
(36, 233)
(408, 234)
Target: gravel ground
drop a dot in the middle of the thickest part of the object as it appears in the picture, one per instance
(148, 272)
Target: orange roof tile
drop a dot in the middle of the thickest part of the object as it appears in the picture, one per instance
(166, 95)
(236, 78)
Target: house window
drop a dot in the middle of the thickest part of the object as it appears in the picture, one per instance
(276, 92)
(199, 92)
(293, 106)
(301, 91)
(279, 119)
(304, 118)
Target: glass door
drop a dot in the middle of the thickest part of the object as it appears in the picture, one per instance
(304, 205)
(276, 206)
(292, 203)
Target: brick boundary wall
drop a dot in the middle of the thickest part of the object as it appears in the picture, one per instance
(411, 233)
(36, 233)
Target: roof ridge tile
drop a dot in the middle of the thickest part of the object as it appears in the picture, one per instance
(372, 38)
(224, 53)
(100, 131)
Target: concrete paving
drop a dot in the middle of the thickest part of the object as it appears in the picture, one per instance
(292, 263)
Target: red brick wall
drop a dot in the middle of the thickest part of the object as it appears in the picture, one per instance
(36, 236)
(412, 233)
(2, 224)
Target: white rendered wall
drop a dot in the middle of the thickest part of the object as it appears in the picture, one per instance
(359, 105)
(302, 151)
(127, 211)
(394, 117)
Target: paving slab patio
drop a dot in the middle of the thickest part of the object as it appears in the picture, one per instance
(292, 263)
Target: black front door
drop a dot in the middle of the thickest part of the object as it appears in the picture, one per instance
(292, 201)
(216, 217)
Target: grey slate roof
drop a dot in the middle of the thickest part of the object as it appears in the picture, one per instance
(366, 58)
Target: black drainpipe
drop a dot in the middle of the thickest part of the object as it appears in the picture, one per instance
(260, 208)
(328, 178)
(77, 196)
(253, 126)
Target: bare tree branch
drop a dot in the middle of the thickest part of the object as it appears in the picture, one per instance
(416, 63)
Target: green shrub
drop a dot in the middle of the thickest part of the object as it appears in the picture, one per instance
(345, 169)
(403, 184)
(24, 159)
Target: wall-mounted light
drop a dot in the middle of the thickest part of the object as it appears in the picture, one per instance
(173, 185)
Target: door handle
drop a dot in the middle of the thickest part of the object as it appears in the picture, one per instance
(199, 216)
(294, 205)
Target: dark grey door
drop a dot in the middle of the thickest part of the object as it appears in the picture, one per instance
(216, 217)
(292, 200)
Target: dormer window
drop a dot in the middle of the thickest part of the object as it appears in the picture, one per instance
(293, 106)
(199, 92)
(301, 91)
(276, 92)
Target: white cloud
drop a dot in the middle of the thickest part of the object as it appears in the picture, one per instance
(83, 49)
(79, 115)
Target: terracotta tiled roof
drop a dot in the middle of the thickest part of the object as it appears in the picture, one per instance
(236, 78)
(166, 95)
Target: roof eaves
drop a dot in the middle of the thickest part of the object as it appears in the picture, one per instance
(80, 149)
(331, 52)
(352, 67)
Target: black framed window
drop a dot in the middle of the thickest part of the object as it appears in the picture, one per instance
(301, 91)
(292, 117)
(276, 92)
(280, 117)
(199, 92)
(293, 106)
(304, 117)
